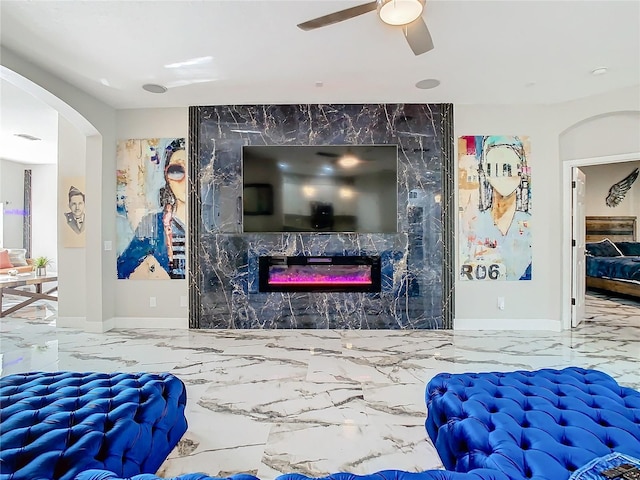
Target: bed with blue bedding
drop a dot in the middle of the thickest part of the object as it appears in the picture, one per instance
(613, 255)
(622, 268)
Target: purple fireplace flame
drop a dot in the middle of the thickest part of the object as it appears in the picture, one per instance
(319, 274)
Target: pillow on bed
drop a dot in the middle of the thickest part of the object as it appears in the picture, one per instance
(631, 249)
(603, 248)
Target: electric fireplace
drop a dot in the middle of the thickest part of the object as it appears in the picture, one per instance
(348, 273)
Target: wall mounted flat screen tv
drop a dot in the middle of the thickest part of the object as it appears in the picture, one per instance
(332, 188)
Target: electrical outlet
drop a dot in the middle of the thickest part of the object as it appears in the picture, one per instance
(184, 301)
(152, 301)
(501, 303)
(108, 245)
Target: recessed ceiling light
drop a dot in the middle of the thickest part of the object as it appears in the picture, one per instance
(599, 71)
(26, 136)
(428, 83)
(154, 88)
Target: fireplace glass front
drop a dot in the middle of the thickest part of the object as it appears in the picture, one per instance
(319, 274)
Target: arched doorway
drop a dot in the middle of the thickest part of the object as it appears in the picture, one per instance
(78, 140)
(581, 144)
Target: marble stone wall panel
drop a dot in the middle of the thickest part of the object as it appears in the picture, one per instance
(226, 275)
(219, 286)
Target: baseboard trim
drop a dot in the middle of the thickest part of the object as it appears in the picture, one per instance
(71, 322)
(81, 323)
(121, 322)
(507, 324)
(151, 322)
(105, 326)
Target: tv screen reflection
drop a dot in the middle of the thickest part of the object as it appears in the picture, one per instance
(333, 188)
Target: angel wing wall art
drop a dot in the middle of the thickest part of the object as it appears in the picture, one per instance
(620, 189)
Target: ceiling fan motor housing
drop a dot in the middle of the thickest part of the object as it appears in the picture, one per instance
(399, 12)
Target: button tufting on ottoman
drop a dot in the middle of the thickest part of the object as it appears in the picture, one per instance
(539, 425)
(103, 475)
(55, 425)
(479, 474)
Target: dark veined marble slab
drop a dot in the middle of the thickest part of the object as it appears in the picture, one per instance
(417, 261)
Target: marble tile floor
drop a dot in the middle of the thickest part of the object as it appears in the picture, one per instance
(310, 401)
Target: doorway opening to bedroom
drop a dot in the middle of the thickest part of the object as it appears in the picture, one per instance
(604, 212)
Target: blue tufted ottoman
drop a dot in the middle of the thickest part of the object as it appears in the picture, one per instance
(104, 475)
(383, 475)
(540, 425)
(55, 425)
(480, 474)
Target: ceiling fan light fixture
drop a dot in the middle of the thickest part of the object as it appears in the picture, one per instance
(348, 160)
(399, 12)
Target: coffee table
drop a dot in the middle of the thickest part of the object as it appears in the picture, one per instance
(9, 284)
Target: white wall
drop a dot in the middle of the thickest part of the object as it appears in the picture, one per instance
(44, 215)
(43, 207)
(132, 304)
(610, 133)
(600, 178)
(558, 134)
(532, 304)
(96, 121)
(12, 197)
(72, 264)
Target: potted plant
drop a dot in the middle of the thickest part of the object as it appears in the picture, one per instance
(40, 264)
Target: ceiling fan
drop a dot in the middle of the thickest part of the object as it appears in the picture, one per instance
(403, 13)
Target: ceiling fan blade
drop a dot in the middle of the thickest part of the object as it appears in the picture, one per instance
(418, 36)
(338, 16)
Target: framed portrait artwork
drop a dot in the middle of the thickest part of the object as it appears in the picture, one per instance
(72, 204)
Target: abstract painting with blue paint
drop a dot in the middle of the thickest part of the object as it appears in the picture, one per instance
(494, 188)
(151, 208)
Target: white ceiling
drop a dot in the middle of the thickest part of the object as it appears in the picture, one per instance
(487, 52)
(248, 51)
(21, 112)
